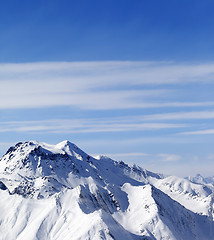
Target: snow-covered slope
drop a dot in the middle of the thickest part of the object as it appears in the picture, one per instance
(60, 192)
(198, 178)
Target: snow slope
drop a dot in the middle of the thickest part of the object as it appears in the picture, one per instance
(198, 178)
(60, 192)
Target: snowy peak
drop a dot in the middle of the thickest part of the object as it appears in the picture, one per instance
(38, 170)
(112, 199)
(64, 147)
(198, 178)
(72, 150)
(33, 153)
(35, 169)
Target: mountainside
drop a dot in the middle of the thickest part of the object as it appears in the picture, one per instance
(198, 178)
(60, 192)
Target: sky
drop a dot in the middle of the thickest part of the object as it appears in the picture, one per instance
(131, 79)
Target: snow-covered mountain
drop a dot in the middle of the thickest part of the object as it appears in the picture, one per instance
(198, 178)
(59, 192)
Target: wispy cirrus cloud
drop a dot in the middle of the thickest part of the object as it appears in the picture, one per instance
(164, 157)
(99, 85)
(113, 124)
(83, 125)
(181, 115)
(116, 72)
(34, 98)
(200, 132)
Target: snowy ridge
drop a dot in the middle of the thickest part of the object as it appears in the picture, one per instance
(198, 178)
(61, 192)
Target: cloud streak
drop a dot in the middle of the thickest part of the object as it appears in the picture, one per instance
(181, 115)
(83, 126)
(201, 132)
(164, 157)
(99, 85)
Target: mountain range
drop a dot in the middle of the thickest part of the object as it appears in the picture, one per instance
(54, 192)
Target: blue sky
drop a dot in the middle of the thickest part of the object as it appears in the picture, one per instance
(130, 79)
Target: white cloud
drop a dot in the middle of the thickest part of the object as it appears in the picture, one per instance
(181, 115)
(97, 85)
(33, 98)
(164, 157)
(83, 125)
(115, 71)
(201, 132)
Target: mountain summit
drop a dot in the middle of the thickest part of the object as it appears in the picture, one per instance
(61, 192)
